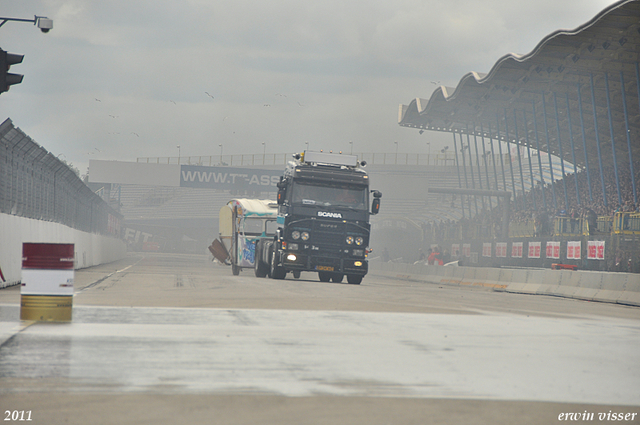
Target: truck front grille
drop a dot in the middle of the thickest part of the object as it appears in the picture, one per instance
(330, 235)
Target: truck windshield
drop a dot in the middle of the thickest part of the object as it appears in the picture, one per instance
(326, 195)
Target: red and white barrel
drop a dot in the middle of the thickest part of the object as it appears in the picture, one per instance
(47, 282)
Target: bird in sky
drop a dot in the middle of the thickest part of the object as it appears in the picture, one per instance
(207, 93)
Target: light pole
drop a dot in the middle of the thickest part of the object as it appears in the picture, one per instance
(429, 153)
(178, 154)
(264, 152)
(396, 151)
(351, 143)
(307, 143)
(220, 153)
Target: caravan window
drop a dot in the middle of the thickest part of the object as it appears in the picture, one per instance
(255, 226)
(272, 226)
(252, 226)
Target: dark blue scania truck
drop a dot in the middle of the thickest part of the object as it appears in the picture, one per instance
(323, 220)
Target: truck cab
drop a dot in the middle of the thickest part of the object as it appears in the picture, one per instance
(323, 219)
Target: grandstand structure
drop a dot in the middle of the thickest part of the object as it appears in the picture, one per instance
(576, 96)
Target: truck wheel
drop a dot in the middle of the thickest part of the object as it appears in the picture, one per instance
(277, 272)
(260, 268)
(235, 270)
(354, 279)
(296, 274)
(337, 277)
(324, 276)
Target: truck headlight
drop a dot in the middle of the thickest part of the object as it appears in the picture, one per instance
(359, 240)
(295, 234)
(349, 240)
(291, 257)
(305, 236)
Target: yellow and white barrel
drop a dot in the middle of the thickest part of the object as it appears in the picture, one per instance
(47, 282)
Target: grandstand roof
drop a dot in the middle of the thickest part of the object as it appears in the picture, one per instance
(560, 74)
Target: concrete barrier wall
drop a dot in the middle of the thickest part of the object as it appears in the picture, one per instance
(622, 288)
(90, 249)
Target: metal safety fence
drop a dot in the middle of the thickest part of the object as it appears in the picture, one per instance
(281, 159)
(36, 184)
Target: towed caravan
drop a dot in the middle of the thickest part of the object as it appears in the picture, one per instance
(242, 223)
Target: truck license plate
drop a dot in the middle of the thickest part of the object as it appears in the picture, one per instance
(325, 268)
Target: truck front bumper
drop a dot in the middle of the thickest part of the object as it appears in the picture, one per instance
(299, 261)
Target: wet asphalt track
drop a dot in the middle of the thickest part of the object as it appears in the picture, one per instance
(182, 326)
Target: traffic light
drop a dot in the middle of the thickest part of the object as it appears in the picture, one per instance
(7, 79)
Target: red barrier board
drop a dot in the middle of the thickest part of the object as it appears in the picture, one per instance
(47, 269)
(48, 256)
(557, 266)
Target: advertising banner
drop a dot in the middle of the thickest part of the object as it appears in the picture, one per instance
(553, 250)
(516, 250)
(501, 249)
(486, 249)
(573, 250)
(534, 249)
(229, 178)
(595, 250)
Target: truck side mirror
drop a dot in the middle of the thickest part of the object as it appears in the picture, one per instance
(282, 193)
(282, 190)
(375, 206)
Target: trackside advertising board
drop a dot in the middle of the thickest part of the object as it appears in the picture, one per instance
(229, 178)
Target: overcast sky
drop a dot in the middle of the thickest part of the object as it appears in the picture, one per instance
(125, 79)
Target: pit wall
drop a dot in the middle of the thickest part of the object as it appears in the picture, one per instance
(90, 249)
(620, 288)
